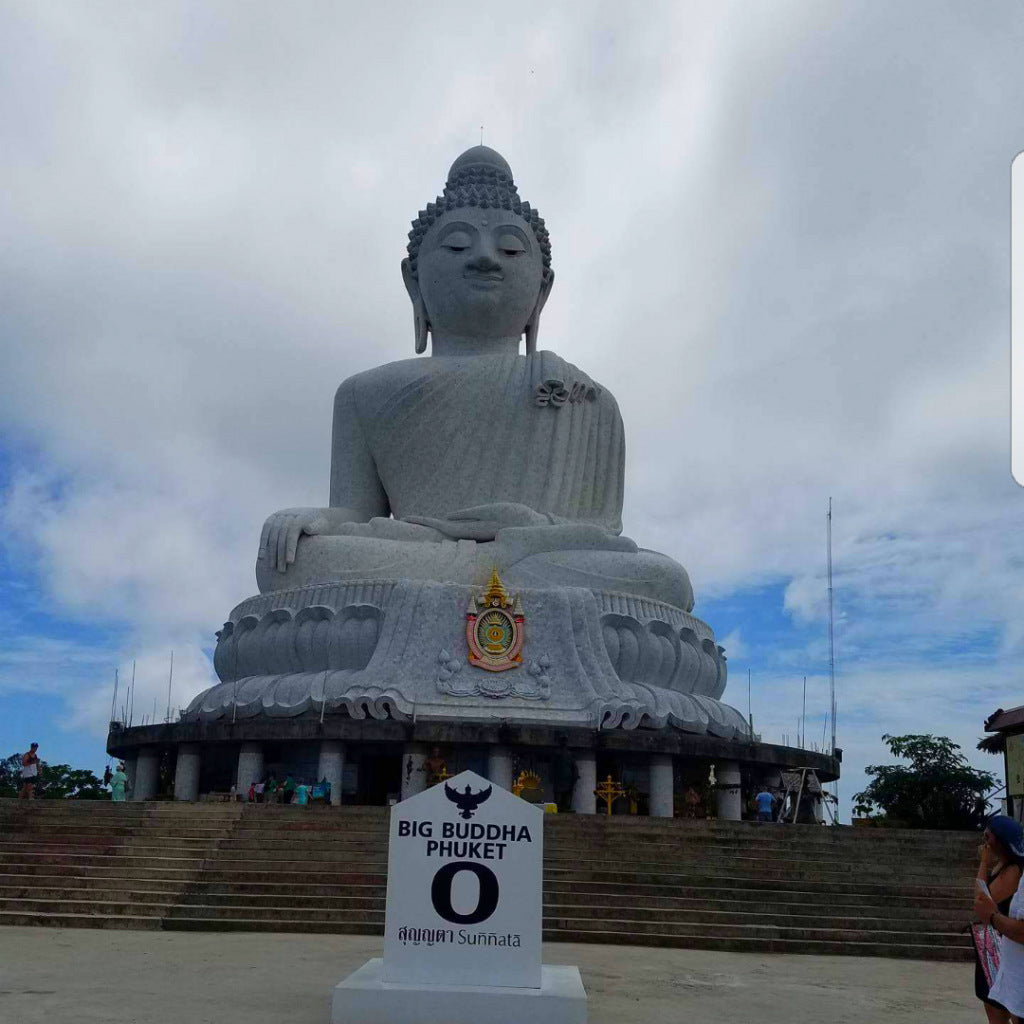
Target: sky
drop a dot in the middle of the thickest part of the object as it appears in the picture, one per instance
(780, 232)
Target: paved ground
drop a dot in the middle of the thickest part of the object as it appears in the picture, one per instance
(82, 976)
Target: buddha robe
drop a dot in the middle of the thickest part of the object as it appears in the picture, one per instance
(427, 438)
(443, 434)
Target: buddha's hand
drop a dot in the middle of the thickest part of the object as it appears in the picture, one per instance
(482, 522)
(281, 533)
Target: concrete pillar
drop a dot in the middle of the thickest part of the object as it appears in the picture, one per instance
(730, 799)
(414, 778)
(499, 767)
(583, 799)
(818, 808)
(250, 768)
(331, 767)
(186, 773)
(129, 770)
(661, 799)
(146, 770)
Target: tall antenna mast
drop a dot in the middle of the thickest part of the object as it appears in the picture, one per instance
(170, 676)
(832, 655)
(113, 703)
(131, 696)
(831, 635)
(803, 718)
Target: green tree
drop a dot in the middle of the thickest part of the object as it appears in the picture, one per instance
(10, 775)
(937, 789)
(55, 782)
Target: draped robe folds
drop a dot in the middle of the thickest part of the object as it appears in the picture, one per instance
(428, 438)
(451, 433)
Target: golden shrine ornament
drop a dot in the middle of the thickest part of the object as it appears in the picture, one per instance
(494, 628)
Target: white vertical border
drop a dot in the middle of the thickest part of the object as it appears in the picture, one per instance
(1017, 318)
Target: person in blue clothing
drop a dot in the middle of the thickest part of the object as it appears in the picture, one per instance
(765, 801)
(119, 785)
(302, 793)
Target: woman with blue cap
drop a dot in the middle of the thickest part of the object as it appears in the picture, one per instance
(999, 905)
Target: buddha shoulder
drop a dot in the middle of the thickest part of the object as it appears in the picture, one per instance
(545, 377)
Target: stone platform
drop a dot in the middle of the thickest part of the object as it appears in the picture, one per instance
(170, 977)
(397, 650)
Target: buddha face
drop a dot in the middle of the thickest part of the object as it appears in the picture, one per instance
(479, 274)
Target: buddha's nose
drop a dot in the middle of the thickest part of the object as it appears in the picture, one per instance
(484, 264)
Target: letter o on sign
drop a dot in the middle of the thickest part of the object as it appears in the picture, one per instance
(441, 892)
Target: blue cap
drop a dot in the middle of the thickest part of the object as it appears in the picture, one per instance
(1008, 832)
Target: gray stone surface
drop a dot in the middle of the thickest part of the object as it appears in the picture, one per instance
(414, 778)
(392, 650)
(364, 997)
(250, 767)
(130, 765)
(729, 796)
(186, 772)
(661, 802)
(331, 767)
(446, 468)
(56, 975)
(499, 767)
(584, 800)
(146, 771)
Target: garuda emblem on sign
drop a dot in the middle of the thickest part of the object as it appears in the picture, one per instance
(494, 628)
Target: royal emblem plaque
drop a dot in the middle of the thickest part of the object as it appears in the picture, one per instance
(494, 628)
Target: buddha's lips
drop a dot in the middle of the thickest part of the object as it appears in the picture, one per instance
(477, 278)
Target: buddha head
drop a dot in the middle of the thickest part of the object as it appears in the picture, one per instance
(479, 263)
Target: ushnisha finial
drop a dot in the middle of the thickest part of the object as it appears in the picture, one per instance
(479, 177)
(482, 160)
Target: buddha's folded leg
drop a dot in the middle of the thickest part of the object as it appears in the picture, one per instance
(643, 573)
(372, 551)
(552, 556)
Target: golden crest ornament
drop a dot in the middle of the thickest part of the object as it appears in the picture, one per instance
(494, 628)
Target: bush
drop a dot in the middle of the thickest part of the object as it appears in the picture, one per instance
(938, 789)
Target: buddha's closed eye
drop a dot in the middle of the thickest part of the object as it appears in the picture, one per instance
(457, 241)
(510, 245)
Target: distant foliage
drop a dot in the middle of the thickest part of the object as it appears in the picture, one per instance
(55, 781)
(937, 789)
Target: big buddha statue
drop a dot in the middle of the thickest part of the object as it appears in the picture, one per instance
(479, 456)
(483, 466)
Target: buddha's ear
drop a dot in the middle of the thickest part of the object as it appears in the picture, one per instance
(533, 324)
(420, 324)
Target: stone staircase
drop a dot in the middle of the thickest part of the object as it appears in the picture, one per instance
(641, 881)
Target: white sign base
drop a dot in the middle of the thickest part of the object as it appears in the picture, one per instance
(364, 997)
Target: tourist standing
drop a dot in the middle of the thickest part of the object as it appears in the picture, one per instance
(302, 794)
(119, 785)
(29, 773)
(691, 803)
(765, 800)
(288, 789)
(1001, 857)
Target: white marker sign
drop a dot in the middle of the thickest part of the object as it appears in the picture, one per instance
(465, 863)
